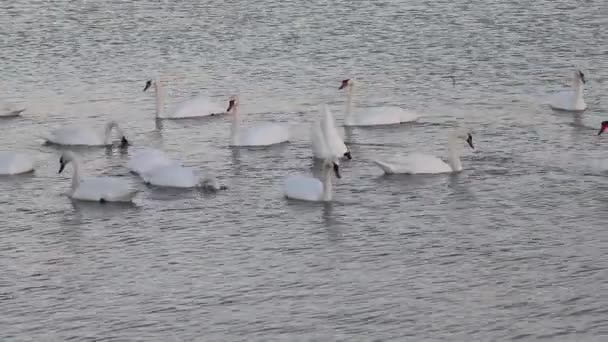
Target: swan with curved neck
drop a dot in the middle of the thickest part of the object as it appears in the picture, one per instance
(571, 100)
(325, 126)
(260, 135)
(373, 116)
(13, 163)
(198, 106)
(86, 136)
(306, 188)
(98, 189)
(427, 164)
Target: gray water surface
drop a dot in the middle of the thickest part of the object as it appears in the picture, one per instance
(512, 248)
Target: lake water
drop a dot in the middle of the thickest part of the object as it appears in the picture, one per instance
(512, 248)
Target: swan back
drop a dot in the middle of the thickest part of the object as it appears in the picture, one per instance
(146, 160)
(12, 163)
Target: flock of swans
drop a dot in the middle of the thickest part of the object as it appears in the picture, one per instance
(154, 167)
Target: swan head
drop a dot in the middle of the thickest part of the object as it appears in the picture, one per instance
(579, 75)
(65, 159)
(113, 124)
(347, 83)
(333, 164)
(466, 135)
(603, 127)
(148, 85)
(233, 102)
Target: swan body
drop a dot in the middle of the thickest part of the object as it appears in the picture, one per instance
(98, 189)
(13, 163)
(198, 106)
(146, 160)
(305, 188)
(176, 176)
(417, 163)
(571, 100)
(264, 134)
(373, 116)
(9, 111)
(86, 136)
(325, 128)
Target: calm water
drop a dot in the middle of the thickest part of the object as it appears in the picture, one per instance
(513, 248)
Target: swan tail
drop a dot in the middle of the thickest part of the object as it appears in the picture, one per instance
(387, 168)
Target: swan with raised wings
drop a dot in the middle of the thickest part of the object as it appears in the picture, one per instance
(373, 116)
(427, 164)
(571, 100)
(13, 163)
(260, 135)
(97, 189)
(86, 136)
(198, 106)
(326, 126)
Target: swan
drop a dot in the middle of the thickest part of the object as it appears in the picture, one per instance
(196, 107)
(13, 163)
(261, 135)
(373, 116)
(98, 189)
(307, 188)
(148, 159)
(327, 124)
(426, 164)
(571, 100)
(9, 111)
(86, 136)
(603, 127)
(177, 176)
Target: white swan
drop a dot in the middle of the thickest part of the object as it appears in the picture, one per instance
(9, 111)
(196, 107)
(13, 163)
(306, 188)
(571, 100)
(261, 135)
(373, 116)
(86, 136)
(99, 189)
(603, 127)
(326, 126)
(148, 159)
(177, 176)
(424, 164)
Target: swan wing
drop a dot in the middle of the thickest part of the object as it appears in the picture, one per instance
(566, 100)
(145, 160)
(263, 135)
(196, 107)
(104, 188)
(12, 163)
(415, 164)
(174, 176)
(303, 188)
(317, 143)
(76, 136)
(334, 141)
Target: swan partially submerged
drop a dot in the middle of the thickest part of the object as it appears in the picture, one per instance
(14, 163)
(373, 116)
(418, 163)
(263, 134)
(198, 106)
(86, 136)
(571, 100)
(97, 189)
(325, 126)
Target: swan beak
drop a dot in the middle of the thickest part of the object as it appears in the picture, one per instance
(148, 85)
(344, 84)
(61, 167)
(603, 128)
(470, 141)
(337, 170)
(580, 73)
(231, 104)
(124, 142)
(348, 155)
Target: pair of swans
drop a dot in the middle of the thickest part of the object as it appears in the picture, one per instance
(198, 106)
(427, 164)
(324, 135)
(571, 100)
(373, 116)
(157, 169)
(86, 136)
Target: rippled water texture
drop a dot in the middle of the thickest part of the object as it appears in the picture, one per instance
(512, 248)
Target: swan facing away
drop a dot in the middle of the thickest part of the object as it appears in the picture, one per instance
(417, 163)
(571, 100)
(260, 135)
(307, 188)
(326, 126)
(86, 136)
(198, 106)
(97, 189)
(9, 111)
(13, 163)
(373, 116)
(603, 127)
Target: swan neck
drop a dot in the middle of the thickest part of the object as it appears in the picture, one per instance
(454, 155)
(108, 132)
(327, 186)
(76, 174)
(349, 103)
(234, 128)
(160, 97)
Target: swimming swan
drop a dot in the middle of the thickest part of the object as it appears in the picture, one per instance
(98, 189)
(603, 127)
(196, 107)
(86, 136)
(177, 176)
(571, 100)
(307, 188)
(425, 164)
(327, 124)
(261, 135)
(372, 116)
(13, 163)
(148, 159)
